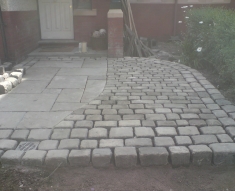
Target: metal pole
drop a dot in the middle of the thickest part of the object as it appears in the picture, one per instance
(3, 34)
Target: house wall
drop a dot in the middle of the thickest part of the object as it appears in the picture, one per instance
(22, 27)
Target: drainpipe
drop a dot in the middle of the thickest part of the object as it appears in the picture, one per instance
(175, 18)
(3, 34)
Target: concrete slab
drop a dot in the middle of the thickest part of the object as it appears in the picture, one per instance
(9, 120)
(68, 82)
(82, 72)
(60, 64)
(37, 120)
(36, 73)
(27, 102)
(30, 87)
(93, 89)
(67, 106)
(70, 95)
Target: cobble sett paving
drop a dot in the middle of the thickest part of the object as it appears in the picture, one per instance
(149, 109)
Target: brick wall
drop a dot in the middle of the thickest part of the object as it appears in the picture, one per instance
(22, 32)
(85, 25)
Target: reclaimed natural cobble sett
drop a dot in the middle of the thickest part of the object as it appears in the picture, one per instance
(12, 157)
(101, 158)
(150, 105)
(34, 158)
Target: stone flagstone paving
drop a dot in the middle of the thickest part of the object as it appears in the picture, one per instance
(151, 112)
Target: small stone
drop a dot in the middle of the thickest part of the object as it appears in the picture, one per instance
(12, 157)
(153, 156)
(144, 132)
(69, 144)
(166, 131)
(163, 142)
(229, 108)
(138, 142)
(133, 117)
(166, 124)
(223, 153)
(163, 110)
(121, 132)
(111, 143)
(125, 157)
(212, 130)
(201, 155)
(224, 138)
(98, 133)
(89, 144)
(20, 135)
(57, 157)
(231, 131)
(105, 124)
(112, 117)
(182, 123)
(213, 122)
(5, 134)
(183, 140)
(75, 118)
(227, 121)
(129, 123)
(48, 145)
(157, 117)
(148, 123)
(197, 122)
(65, 125)
(39, 134)
(34, 158)
(7, 144)
(79, 133)
(60, 134)
(92, 112)
(84, 124)
(80, 157)
(204, 139)
(188, 131)
(180, 156)
(109, 112)
(220, 113)
(101, 158)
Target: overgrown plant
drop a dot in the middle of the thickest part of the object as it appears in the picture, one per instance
(210, 41)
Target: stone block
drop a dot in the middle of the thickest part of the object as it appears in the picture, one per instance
(204, 139)
(79, 133)
(39, 134)
(183, 140)
(166, 131)
(125, 157)
(227, 121)
(69, 144)
(101, 158)
(98, 133)
(229, 108)
(89, 144)
(188, 131)
(197, 122)
(34, 158)
(80, 157)
(213, 122)
(94, 117)
(105, 124)
(180, 156)
(20, 135)
(166, 124)
(6, 144)
(144, 132)
(200, 154)
(75, 118)
(231, 131)
(138, 142)
(57, 157)
(109, 112)
(148, 123)
(5, 87)
(84, 124)
(133, 117)
(121, 132)
(220, 113)
(129, 123)
(13, 81)
(163, 142)
(224, 138)
(65, 125)
(157, 117)
(5, 134)
(92, 112)
(153, 156)
(112, 117)
(111, 143)
(60, 134)
(12, 157)
(48, 145)
(212, 130)
(223, 153)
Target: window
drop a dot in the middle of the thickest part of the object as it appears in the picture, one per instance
(82, 4)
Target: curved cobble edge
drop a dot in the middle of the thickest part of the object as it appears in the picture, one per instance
(151, 112)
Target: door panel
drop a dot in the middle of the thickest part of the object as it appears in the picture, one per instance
(56, 19)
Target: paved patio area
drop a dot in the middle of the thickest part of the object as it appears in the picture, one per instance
(126, 111)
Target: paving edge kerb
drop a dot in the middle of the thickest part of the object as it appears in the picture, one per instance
(126, 157)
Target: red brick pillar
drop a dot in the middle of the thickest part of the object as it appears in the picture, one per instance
(115, 33)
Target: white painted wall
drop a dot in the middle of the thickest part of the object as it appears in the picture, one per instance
(18, 5)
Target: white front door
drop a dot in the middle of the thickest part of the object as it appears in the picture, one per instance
(56, 19)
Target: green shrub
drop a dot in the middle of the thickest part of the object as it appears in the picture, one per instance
(212, 29)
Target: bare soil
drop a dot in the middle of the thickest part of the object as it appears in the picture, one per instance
(139, 179)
